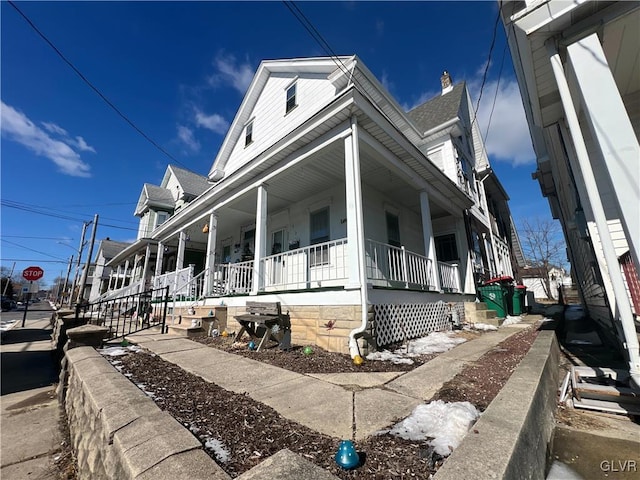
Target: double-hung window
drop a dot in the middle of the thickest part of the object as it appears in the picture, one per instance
(319, 233)
(291, 97)
(393, 229)
(248, 134)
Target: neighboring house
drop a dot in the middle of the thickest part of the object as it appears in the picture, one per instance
(577, 67)
(102, 280)
(533, 279)
(323, 197)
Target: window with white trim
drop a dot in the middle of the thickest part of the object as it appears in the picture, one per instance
(291, 97)
(393, 229)
(248, 134)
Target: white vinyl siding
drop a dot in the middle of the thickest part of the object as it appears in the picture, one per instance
(312, 93)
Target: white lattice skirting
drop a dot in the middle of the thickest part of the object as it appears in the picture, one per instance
(397, 323)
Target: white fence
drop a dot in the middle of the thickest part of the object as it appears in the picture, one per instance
(315, 266)
(391, 266)
(179, 281)
(449, 277)
(232, 278)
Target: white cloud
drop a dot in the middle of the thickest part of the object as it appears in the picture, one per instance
(83, 146)
(508, 137)
(231, 72)
(53, 128)
(214, 122)
(185, 134)
(17, 127)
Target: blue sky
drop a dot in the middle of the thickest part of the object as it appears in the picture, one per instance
(179, 71)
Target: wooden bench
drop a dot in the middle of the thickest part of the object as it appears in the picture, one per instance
(266, 316)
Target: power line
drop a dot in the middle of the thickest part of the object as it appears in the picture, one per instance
(94, 88)
(495, 96)
(486, 68)
(47, 208)
(31, 249)
(30, 209)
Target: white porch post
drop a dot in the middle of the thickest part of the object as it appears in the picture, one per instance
(611, 127)
(355, 224)
(145, 268)
(211, 253)
(182, 242)
(260, 248)
(159, 258)
(427, 235)
(465, 265)
(111, 277)
(126, 273)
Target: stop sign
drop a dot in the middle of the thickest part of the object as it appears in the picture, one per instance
(32, 273)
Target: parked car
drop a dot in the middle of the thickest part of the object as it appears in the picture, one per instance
(8, 304)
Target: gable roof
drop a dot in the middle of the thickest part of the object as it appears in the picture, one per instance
(438, 110)
(111, 248)
(156, 196)
(191, 183)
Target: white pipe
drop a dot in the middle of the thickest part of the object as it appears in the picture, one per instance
(621, 299)
(364, 301)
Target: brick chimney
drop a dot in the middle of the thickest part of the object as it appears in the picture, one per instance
(447, 84)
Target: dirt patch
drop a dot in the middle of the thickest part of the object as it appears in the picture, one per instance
(480, 381)
(250, 431)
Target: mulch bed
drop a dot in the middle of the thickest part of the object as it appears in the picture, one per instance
(252, 431)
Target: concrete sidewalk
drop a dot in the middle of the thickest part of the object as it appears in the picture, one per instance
(361, 403)
(30, 434)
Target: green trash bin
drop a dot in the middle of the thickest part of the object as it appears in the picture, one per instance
(495, 297)
(519, 295)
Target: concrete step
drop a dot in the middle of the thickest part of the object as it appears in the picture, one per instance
(185, 330)
(490, 317)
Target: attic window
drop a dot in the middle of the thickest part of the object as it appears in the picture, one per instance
(248, 134)
(291, 97)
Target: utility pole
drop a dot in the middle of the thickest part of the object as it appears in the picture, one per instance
(80, 248)
(66, 279)
(85, 272)
(6, 285)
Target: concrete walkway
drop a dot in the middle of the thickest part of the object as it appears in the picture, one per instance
(30, 435)
(360, 403)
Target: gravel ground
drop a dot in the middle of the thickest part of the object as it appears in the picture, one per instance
(251, 431)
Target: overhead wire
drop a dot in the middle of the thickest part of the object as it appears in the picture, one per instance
(31, 249)
(93, 87)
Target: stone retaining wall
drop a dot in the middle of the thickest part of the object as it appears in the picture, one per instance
(511, 440)
(118, 432)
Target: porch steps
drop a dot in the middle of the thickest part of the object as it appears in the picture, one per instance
(185, 330)
(478, 312)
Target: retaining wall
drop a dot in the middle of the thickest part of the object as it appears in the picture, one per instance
(511, 440)
(118, 432)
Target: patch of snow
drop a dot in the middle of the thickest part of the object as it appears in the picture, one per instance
(118, 351)
(483, 326)
(447, 423)
(217, 447)
(435, 342)
(6, 325)
(561, 471)
(510, 320)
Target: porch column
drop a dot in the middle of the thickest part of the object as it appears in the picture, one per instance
(182, 242)
(260, 248)
(126, 273)
(427, 235)
(211, 252)
(145, 269)
(110, 279)
(159, 259)
(612, 131)
(465, 265)
(355, 224)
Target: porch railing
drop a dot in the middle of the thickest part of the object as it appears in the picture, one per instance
(449, 277)
(321, 265)
(391, 266)
(130, 289)
(178, 281)
(232, 278)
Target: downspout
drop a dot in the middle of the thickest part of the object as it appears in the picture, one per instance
(623, 307)
(364, 301)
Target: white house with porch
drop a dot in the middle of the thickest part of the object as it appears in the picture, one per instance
(323, 197)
